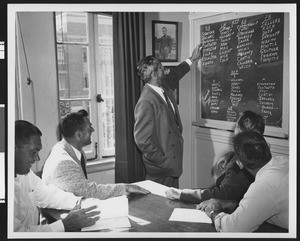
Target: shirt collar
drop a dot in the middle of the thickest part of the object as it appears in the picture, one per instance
(77, 153)
(156, 88)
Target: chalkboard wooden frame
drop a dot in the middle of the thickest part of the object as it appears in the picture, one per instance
(196, 23)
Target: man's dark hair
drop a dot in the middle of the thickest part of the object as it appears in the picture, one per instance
(251, 149)
(250, 121)
(24, 130)
(73, 122)
(142, 67)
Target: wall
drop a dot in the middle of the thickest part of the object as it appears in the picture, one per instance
(38, 38)
(210, 144)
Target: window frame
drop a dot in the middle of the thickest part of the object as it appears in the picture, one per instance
(96, 151)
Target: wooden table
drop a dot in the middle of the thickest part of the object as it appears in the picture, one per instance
(155, 209)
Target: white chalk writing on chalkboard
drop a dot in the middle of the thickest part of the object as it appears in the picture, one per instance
(242, 68)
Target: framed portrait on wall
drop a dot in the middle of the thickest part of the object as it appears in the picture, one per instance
(165, 40)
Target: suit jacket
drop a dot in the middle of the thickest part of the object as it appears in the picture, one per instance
(231, 185)
(63, 169)
(155, 131)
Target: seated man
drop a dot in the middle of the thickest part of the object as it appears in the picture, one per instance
(31, 192)
(234, 181)
(66, 165)
(267, 198)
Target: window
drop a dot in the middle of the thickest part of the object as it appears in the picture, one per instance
(85, 70)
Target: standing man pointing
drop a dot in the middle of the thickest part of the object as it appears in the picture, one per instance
(158, 128)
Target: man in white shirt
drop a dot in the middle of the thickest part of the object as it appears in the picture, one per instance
(267, 198)
(31, 192)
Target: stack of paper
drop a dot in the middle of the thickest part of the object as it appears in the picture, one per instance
(153, 187)
(189, 215)
(114, 213)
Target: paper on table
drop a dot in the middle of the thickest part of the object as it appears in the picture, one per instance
(189, 215)
(110, 223)
(114, 213)
(153, 187)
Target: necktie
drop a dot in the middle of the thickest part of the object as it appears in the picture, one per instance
(170, 107)
(83, 165)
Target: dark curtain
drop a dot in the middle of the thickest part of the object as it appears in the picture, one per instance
(129, 48)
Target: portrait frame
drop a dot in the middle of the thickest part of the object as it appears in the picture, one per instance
(176, 89)
(162, 47)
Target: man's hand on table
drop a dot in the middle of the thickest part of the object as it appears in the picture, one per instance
(80, 218)
(131, 188)
(173, 193)
(216, 205)
(210, 205)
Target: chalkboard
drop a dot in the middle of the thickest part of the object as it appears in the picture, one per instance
(242, 68)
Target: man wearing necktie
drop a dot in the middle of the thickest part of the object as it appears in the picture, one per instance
(31, 193)
(171, 107)
(83, 164)
(158, 127)
(66, 165)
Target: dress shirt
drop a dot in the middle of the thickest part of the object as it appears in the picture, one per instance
(77, 153)
(31, 192)
(160, 91)
(267, 199)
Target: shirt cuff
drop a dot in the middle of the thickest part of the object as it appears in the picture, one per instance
(179, 193)
(189, 62)
(57, 226)
(217, 221)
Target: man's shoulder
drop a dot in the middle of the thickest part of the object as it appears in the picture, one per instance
(148, 94)
(57, 148)
(275, 170)
(60, 151)
(282, 159)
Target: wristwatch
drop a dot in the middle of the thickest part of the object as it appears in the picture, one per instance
(213, 214)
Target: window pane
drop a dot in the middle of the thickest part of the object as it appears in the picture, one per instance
(105, 29)
(106, 70)
(75, 80)
(107, 81)
(73, 71)
(108, 120)
(71, 27)
(67, 106)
